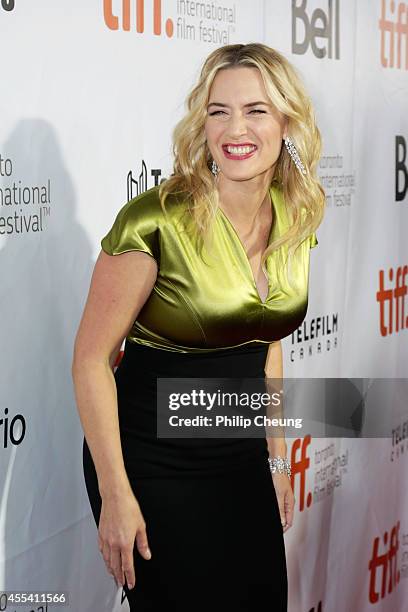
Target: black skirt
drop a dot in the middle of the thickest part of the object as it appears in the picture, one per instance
(209, 504)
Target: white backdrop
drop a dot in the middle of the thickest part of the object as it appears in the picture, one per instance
(87, 110)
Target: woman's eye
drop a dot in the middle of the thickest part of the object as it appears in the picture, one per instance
(255, 110)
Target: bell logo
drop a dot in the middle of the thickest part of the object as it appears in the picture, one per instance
(401, 166)
(133, 11)
(319, 25)
(7, 5)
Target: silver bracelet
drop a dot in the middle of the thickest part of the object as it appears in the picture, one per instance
(280, 464)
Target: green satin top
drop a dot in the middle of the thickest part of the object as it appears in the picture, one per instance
(200, 306)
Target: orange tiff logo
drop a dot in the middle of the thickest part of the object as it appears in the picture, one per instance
(392, 300)
(383, 566)
(134, 12)
(300, 467)
(394, 30)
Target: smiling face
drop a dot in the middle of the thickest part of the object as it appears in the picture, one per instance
(234, 120)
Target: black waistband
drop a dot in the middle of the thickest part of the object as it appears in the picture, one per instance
(246, 360)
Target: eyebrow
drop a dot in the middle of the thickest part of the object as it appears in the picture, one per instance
(245, 105)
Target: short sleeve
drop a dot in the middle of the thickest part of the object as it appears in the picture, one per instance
(134, 229)
(313, 240)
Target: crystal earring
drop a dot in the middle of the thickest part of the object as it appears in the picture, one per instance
(294, 154)
(214, 168)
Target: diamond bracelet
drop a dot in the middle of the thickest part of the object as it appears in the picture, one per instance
(280, 464)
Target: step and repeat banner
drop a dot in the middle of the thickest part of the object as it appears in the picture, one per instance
(90, 95)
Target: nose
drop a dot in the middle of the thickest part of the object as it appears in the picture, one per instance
(237, 125)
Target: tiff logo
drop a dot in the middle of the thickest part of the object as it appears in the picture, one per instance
(138, 185)
(395, 296)
(300, 466)
(319, 26)
(400, 168)
(134, 12)
(386, 563)
(396, 26)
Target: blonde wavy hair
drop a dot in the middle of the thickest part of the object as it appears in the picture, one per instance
(304, 196)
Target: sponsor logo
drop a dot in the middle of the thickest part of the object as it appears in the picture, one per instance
(12, 431)
(133, 12)
(393, 25)
(201, 22)
(299, 468)
(7, 5)
(137, 185)
(319, 333)
(319, 30)
(392, 299)
(328, 466)
(399, 439)
(24, 208)
(400, 166)
(383, 571)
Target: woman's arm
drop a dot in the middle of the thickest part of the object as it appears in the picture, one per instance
(274, 370)
(277, 444)
(120, 286)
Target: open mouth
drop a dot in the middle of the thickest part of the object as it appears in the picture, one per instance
(239, 152)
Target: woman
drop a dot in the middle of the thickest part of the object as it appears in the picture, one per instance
(213, 273)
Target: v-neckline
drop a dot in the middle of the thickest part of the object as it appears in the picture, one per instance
(239, 241)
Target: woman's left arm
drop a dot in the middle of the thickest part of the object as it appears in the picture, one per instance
(277, 445)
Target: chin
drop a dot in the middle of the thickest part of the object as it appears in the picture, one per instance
(241, 176)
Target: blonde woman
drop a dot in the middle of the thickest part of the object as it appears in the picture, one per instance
(202, 275)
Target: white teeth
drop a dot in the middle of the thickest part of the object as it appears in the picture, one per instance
(240, 150)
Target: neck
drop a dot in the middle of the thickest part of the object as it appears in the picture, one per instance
(243, 200)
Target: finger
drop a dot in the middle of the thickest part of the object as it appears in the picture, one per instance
(289, 501)
(287, 525)
(289, 516)
(106, 555)
(282, 510)
(289, 509)
(128, 566)
(116, 565)
(142, 544)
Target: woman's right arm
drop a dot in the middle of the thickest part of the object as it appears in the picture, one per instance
(120, 286)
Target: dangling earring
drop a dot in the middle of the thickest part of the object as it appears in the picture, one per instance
(294, 154)
(214, 168)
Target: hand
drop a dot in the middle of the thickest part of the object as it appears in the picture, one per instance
(121, 522)
(286, 499)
